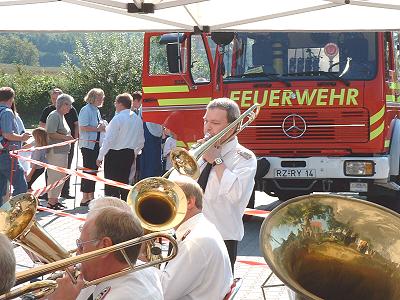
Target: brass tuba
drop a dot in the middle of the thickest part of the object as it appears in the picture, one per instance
(334, 247)
(17, 221)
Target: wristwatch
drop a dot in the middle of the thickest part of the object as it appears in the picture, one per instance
(218, 161)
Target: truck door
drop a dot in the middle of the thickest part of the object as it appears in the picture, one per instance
(177, 83)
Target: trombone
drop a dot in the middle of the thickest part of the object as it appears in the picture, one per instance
(47, 287)
(185, 162)
(159, 203)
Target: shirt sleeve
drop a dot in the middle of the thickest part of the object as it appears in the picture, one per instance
(52, 123)
(74, 114)
(140, 136)
(6, 121)
(111, 134)
(44, 115)
(177, 279)
(170, 144)
(237, 183)
(83, 118)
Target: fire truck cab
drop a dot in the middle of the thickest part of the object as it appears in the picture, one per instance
(330, 102)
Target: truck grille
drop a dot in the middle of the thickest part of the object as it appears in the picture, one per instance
(323, 126)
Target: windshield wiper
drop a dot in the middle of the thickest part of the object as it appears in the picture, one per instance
(271, 76)
(329, 75)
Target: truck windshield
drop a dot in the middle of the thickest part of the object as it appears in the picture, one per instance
(291, 56)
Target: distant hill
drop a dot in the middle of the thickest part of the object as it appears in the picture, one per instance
(37, 49)
(13, 68)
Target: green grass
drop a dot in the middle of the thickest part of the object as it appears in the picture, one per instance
(12, 69)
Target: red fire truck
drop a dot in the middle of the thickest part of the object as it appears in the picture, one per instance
(330, 102)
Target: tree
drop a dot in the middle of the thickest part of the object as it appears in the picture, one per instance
(14, 50)
(110, 61)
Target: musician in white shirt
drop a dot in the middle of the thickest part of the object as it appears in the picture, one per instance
(231, 179)
(123, 140)
(104, 227)
(201, 270)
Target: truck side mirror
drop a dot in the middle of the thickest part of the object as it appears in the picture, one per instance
(174, 60)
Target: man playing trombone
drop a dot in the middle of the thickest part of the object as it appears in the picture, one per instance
(104, 227)
(227, 177)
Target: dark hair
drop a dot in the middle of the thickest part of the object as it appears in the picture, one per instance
(125, 99)
(137, 95)
(6, 93)
(230, 106)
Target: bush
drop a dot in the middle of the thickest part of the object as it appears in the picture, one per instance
(32, 92)
(110, 61)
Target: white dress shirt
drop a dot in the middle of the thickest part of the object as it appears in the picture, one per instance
(202, 269)
(170, 144)
(141, 285)
(224, 201)
(125, 131)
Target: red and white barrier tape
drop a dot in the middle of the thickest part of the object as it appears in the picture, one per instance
(44, 190)
(76, 173)
(88, 170)
(252, 263)
(256, 212)
(61, 213)
(46, 147)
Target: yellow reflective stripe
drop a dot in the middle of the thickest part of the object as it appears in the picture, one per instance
(387, 143)
(390, 98)
(165, 89)
(183, 101)
(376, 117)
(180, 144)
(374, 134)
(394, 85)
(190, 144)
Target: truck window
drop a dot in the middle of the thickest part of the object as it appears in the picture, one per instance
(396, 47)
(158, 61)
(199, 65)
(254, 56)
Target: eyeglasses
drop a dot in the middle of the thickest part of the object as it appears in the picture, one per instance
(79, 243)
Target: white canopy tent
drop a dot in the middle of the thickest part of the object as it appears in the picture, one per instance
(213, 15)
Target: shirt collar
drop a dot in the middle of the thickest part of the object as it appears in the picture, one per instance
(187, 225)
(227, 147)
(124, 111)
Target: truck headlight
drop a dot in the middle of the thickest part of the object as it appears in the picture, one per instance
(359, 168)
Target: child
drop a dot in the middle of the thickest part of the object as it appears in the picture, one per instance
(40, 136)
(170, 143)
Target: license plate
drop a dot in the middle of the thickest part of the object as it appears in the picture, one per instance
(358, 187)
(295, 173)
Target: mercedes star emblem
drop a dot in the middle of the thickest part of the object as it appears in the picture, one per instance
(294, 126)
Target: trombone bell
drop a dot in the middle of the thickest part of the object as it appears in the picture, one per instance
(159, 203)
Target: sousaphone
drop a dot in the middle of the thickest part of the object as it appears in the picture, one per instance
(333, 247)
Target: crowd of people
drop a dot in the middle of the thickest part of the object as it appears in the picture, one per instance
(207, 237)
(126, 160)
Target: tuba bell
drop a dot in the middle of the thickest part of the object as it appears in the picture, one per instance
(18, 223)
(334, 247)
